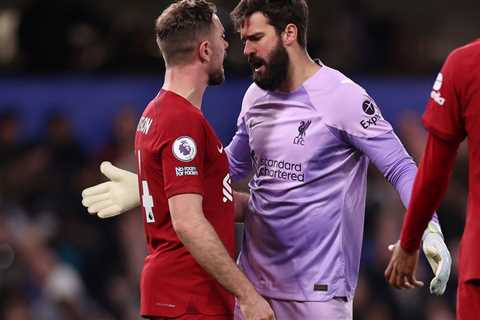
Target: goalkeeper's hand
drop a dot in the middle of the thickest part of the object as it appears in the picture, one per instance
(438, 257)
(113, 197)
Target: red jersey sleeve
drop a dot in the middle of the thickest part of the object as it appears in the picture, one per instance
(444, 113)
(429, 188)
(183, 156)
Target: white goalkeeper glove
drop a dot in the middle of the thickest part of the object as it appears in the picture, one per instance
(438, 257)
(113, 197)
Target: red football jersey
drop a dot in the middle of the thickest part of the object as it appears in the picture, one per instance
(453, 113)
(178, 152)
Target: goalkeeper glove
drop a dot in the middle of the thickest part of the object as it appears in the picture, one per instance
(438, 257)
(113, 197)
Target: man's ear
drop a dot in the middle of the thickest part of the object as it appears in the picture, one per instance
(205, 51)
(290, 34)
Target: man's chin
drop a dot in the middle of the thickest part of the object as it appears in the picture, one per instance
(216, 80)
(265, 85)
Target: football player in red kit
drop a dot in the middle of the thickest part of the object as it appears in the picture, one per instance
(453, 114)
(186, 197)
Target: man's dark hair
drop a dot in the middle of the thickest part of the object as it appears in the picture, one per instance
(279, 12)
(179, 28)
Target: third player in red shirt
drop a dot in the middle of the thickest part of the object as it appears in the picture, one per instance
(453, 114)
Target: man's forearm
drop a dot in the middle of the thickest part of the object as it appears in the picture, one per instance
(202, 242)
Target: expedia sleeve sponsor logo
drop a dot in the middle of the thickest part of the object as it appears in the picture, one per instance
(372, 115)
(282, 170)
(368, 107)
(367, 123)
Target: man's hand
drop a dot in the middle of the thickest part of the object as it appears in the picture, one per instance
(400, 272)
(438, 257)
(113, 197)
(254, 307)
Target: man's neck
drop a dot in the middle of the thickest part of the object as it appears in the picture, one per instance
(186, 81)
(301, 68)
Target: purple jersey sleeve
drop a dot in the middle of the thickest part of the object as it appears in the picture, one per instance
(364, 127)
(389, 156)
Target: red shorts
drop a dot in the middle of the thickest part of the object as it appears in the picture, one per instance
(196, 317)
(468, 300)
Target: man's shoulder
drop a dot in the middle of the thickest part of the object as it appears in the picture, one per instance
(465, 59)
(348, 107)
(468, 50)
(168, 117)
(338, 96)
(332, 85)
(173, 109)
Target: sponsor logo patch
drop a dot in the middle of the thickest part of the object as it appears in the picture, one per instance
(372, 115)
(184, 149)
(277, 169)
(368, 107)
(186, 171)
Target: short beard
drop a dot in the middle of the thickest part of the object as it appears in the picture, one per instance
(276, 71)
(216, 77)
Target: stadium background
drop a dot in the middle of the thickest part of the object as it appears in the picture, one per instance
(74, 77)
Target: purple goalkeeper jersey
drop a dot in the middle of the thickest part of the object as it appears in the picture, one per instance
(309, 151)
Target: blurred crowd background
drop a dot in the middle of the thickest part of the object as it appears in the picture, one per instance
(364, 36)
(59, 263)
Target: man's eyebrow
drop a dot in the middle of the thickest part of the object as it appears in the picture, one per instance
(254, 35)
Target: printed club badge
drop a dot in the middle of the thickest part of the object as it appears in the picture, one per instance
(184, 149)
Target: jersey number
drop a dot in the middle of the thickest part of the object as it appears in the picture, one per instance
(147, 201)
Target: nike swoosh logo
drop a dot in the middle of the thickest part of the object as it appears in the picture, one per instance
(253, 123)
(220, 149)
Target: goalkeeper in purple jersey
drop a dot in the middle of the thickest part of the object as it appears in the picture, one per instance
(307, 133)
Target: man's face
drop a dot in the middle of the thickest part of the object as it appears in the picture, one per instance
(216, 73)
(266, 54)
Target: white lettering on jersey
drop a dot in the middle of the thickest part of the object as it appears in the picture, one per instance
(435, 94)
(186, 171)
(147, 201)
(227, 189)
(144, 125)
